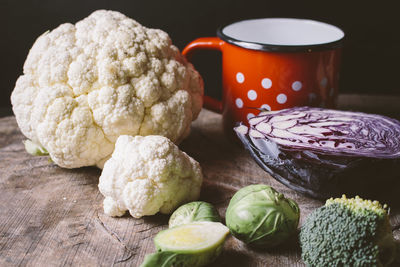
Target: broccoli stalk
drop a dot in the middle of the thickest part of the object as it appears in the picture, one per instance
(348, 232)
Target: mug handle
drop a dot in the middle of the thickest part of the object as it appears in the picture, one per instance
(209, 43)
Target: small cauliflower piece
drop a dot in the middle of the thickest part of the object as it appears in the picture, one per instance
(146, 175)
(85, 84)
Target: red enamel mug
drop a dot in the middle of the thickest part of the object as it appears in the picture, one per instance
(273, 63)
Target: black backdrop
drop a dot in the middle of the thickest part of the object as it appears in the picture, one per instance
(372, 48)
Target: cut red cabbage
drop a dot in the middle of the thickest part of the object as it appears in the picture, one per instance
(322, 152)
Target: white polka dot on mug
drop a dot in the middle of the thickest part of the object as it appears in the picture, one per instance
(239, 102)
(312, 97)
(266, 83)
(324, 82)
(296, 86)
(252, 95)
(281, 98)
(250, 115)
(239, 77)
(265, 107)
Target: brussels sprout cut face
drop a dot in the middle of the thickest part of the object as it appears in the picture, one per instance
(193, 244)
(260, 216)
(197, 211)
(191, 238)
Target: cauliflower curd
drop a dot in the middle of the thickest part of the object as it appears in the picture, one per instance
(86, 84)
(146, 175)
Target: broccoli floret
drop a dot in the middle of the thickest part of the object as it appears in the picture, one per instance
(348, 232)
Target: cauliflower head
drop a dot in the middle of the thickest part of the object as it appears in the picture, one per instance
(86, 84)
(146, 175)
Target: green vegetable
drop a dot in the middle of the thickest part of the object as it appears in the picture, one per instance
(348, 232)
(193, 245)
(197, 211)
(34, 149)
(162, 259)
(260, 216)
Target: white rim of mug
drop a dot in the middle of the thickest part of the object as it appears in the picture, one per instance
(282, 48)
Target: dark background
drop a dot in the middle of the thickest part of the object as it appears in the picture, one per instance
(371, 56)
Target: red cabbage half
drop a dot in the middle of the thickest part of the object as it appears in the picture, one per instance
(322, 152)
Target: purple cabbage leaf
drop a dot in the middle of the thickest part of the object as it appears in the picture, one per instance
(323, 152)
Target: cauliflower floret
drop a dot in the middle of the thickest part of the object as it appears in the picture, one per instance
(86, 84)
(146, 175)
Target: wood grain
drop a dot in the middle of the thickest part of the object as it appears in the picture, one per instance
(51, 216)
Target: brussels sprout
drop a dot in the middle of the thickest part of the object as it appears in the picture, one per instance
(161, 258)
(193, 245)
(197, 211)
(260, 216)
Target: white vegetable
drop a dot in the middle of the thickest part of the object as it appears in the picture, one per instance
(34, 149)
(86, 84)
(146, 175)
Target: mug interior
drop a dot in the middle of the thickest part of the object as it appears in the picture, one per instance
(281, 33)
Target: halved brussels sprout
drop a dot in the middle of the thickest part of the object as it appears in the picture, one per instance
(260, 216)
(197, 211)
(193, 245)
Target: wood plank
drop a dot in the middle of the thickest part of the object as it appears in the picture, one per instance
(53, 216)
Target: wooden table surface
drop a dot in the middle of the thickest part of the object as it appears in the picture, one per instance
(51, 216)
